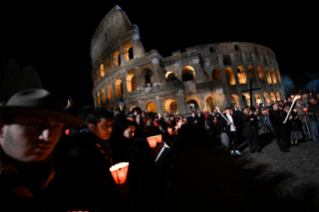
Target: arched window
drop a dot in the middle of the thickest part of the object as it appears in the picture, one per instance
(117, 58)
(258, 98)
(151, 107)
(261, 73)
(131, 83)
(170, 106)
(128, 52)
(235, 99)
(170, 76)
(98, 98)
(109, 92)
(148, 78)
(188, 74)
(251, 71)
(118, 87)
(211, 103)
(192, 104)
(103, 95)
(246, 99)
(108, 65)
(97, 76)
(268, 76)
(217, 75)
(273, 97)
(278, 96)
(230, 76)
(279, 78)
(102, 70)
(241, 75)
(266, 96)
(273, 76)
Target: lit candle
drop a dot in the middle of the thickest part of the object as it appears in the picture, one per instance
(305, 110)
(67, 132)
(170, 131)
(295, 110)
(152, 141)
(119, 172)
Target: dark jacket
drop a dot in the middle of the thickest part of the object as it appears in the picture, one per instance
(223, 122)
(276, 118)
(249, 127)
(313, 108)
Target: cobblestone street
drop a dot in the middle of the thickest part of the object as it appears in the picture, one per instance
(207, 178)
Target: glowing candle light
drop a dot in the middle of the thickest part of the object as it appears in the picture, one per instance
(305, 110)
(170, 131)
(152, 141)
(119, 172)
(295, 110)
(67, 132)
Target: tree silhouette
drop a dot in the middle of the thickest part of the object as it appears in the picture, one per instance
(287, 83)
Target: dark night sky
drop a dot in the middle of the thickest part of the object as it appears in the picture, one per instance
(55, 38)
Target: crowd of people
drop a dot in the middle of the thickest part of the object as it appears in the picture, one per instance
(51, 160)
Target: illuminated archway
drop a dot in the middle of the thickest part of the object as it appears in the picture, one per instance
(98, 98)
(192, 104)
(230, 76)
(261, 73)
(235, 99)
(273, 74)
(241, 75)
(246, 99)
(109, 92)
(210, 103)
(130, 83)
(188, 74)
(251, 71)
(273, 97)
(117, 58)
(118, 87)
(217, 75)
(278, 96)
(102, 70)
(151, 107)
(170, 76)
(268, 76)
(97, 76)
(258, 98)
(170, 106)
(108, 65)
(128, 52)
(103, 95)
(279, 78)
(267, 98)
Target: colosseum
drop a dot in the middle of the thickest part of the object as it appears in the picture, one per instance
(204, 76)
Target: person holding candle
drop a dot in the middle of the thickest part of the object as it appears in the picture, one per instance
(313, 109)
(277, 119)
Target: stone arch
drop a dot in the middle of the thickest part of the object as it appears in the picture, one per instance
(148, 77)
(268, 76)
(97, 75)
(98, 98)
(109, 92)
(103, 95)
(102, 70)
(217, 74)
(241, 75)
(117, 58)
(170, 76)
(273, 76)
(188, 74)
(128, 52)
(273, 97)
(230, 76)
(108, 65)
(267, 98)
(246, 99)
(132, 107)
(130, 83)
(251, 71)
(192, 104)
(278, 96)
(151, 107)
(210, 103)
(261, 73)
(118, 87)
(235, 99)
(170, 106)
(258, 98)
(279, 78)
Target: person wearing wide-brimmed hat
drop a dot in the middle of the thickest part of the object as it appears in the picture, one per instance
(31, 123)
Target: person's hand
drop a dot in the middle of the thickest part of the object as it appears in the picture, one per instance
(70, 103)
(284, 122)
(251, 119)
(195, 121)
(250, 112)
(229, 123)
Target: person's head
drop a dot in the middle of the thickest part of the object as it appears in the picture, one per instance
(305, 95)
(313, 101)
(127, 127)
(227, 110)
(317, 95)
(272, 102)
(193, 114)
(275, 107)
(100, 122)
(31, 124)
(116, 110)
(199, 111)
(246, 110)
(289, 99)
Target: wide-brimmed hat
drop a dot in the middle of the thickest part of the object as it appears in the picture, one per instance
(38, 101)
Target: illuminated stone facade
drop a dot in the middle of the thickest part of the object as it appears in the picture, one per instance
(202, 77)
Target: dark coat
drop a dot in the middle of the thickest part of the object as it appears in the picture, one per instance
(249, 127)
(223, 123)
(276, 119)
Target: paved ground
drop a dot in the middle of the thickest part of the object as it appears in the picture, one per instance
(207, 178)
